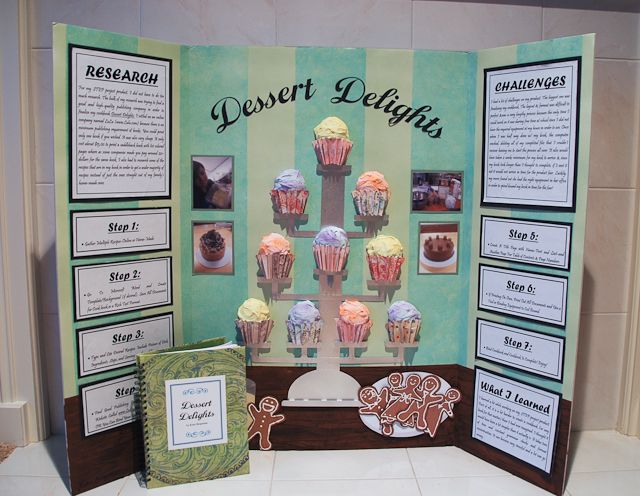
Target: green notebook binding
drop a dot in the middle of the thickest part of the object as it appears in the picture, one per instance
(188, 433)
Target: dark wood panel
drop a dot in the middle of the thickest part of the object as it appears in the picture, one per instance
(553, 482)
(104, 457)
(340, 428)
(101, 458)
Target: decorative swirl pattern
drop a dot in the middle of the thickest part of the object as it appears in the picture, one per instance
(205, 462)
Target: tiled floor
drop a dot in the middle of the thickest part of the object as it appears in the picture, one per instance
(601, 462)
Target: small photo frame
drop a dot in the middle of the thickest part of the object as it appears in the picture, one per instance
(436, 191)
(438, 248)
(213, 248)
(212, 178)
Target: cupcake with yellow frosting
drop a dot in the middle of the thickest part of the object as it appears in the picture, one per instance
(254, 321)
(371, 194)
(332, 144)
(354, 324)
(385, 257)
(274, 256)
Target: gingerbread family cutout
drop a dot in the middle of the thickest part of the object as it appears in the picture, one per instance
(264, 418)
(415, 402)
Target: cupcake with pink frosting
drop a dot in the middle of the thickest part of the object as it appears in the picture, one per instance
(354, 324)
(331, 249)
(289, 194)
(274, 257)
(371, 194)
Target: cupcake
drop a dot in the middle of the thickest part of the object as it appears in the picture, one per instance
(354, 324)
(274, 256)
(289, 194)
(212, 246)
(371, 194)
(254, 322)
(385, 257)
(304, 323)
(332, 144)
(331, 249)
(403, 322)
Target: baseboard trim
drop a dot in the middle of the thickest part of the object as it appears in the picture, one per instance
(13, 422)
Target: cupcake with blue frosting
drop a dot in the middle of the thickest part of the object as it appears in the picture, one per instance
(304, 323)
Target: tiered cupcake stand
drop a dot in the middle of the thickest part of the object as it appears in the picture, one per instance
(327, 385)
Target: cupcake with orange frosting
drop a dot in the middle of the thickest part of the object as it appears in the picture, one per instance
(332, 144)
(254, 321)
(385, 258)
(289, 194)
(275, 257)
(354, 324)
(371, 194)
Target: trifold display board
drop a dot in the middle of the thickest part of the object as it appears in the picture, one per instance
(166, 157)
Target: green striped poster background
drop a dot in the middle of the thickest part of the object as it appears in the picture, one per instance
(264, 144)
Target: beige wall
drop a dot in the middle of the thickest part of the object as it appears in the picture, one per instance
(399, 24)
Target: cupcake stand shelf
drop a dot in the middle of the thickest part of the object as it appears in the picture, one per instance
(327, 385)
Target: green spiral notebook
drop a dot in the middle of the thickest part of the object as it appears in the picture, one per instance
(193, 409)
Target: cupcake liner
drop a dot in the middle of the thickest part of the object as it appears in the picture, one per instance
(384, 268)
(332, 151)
(353, 333)
(302, 334)
(369, 201)
(403, 331)
(330, 258)
(292, 201)
(255, 332)
(276, 265)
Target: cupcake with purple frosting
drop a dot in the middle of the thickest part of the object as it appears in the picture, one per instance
(289, 194)
(331, 249)
(403, 322)
(304, 323)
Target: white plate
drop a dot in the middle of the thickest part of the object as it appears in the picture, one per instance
(373, 422)
(215, 264)
(437, 265)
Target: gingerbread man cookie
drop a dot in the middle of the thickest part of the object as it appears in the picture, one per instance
(263, 419)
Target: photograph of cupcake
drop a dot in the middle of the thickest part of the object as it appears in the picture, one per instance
(403, 322)
(354, 324)
(385, 258)
(371, 194)
(254, 321)
(332, 144)
(331, 249)
(274, 256)
(289, 194)
(213, 248)
(304, 323)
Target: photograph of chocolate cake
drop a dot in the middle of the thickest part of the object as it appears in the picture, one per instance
(437, 248)
(213, 248)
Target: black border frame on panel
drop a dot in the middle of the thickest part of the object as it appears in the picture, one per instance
(128, 310)
(70, 66)
(72, 231)
(519, 219)
(117, 324)
(513, 367)
(513, 457)
(488, 70)
(82, 406)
